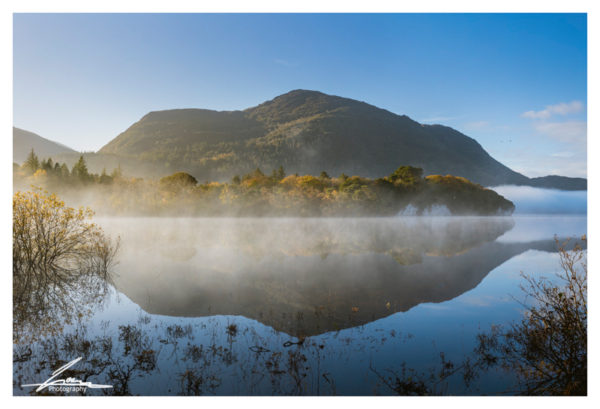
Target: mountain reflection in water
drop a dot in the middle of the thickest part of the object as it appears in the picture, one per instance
(310, 276)
(306, 279)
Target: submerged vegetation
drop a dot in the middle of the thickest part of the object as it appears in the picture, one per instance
(259, 194)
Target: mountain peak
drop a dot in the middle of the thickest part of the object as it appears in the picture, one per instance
(305, 131)
(301, 103)
(302, 92)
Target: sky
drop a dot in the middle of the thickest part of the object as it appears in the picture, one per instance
(517, 83)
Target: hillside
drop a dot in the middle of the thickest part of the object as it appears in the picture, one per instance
(308, 132)
(24, 141)
(559, 182)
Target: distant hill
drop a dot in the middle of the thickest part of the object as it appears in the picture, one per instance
(559, 182)
(309, 132)
(24, 141)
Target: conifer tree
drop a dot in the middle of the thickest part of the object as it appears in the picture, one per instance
(80, 170)
(32, 163)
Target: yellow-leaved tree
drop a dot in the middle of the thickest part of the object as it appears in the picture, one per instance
(61, 263)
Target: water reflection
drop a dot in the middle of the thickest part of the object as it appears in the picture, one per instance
(303, 281)
(152, 357)
(308, 277)
(46, 300)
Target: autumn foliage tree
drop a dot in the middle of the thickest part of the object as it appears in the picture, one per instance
(269, 194)
(55, 250)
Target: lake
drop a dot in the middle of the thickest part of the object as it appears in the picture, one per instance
(246, 306)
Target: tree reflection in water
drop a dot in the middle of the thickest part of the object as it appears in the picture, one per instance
(211, 357)
(61, 264)
(221, 354)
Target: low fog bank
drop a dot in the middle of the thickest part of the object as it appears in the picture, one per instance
(312, 275)
(256, 194)
(146, 199)
(405, 238)
(533, 227)
(302, 276)
(533, 200)
(435, 210)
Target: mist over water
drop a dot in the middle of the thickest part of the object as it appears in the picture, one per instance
(283, 306)
(540, 227)
(435, 210)
(533, 200)
(274, 269)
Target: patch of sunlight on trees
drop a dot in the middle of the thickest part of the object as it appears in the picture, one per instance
(260, 194)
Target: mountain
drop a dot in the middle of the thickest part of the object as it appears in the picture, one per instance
(24, 141)
(305, 132)
(309, 132)
(559, 182)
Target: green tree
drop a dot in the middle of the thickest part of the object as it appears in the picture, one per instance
(104, 178)
(64, 171)
(178, 181)
(117, 173)
(407, 175)
(280, 174)
(47, 164)
(257, 174)
(80, 171)
(32, 163)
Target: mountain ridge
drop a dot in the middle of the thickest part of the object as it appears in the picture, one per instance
(309, 132)
(306, 132)
(24, 141)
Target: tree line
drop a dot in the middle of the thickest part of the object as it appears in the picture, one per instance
(46, 170)
(260, 194)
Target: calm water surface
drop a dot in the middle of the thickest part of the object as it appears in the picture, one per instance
(297, 306)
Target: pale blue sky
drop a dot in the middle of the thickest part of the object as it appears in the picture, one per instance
(516, 83)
